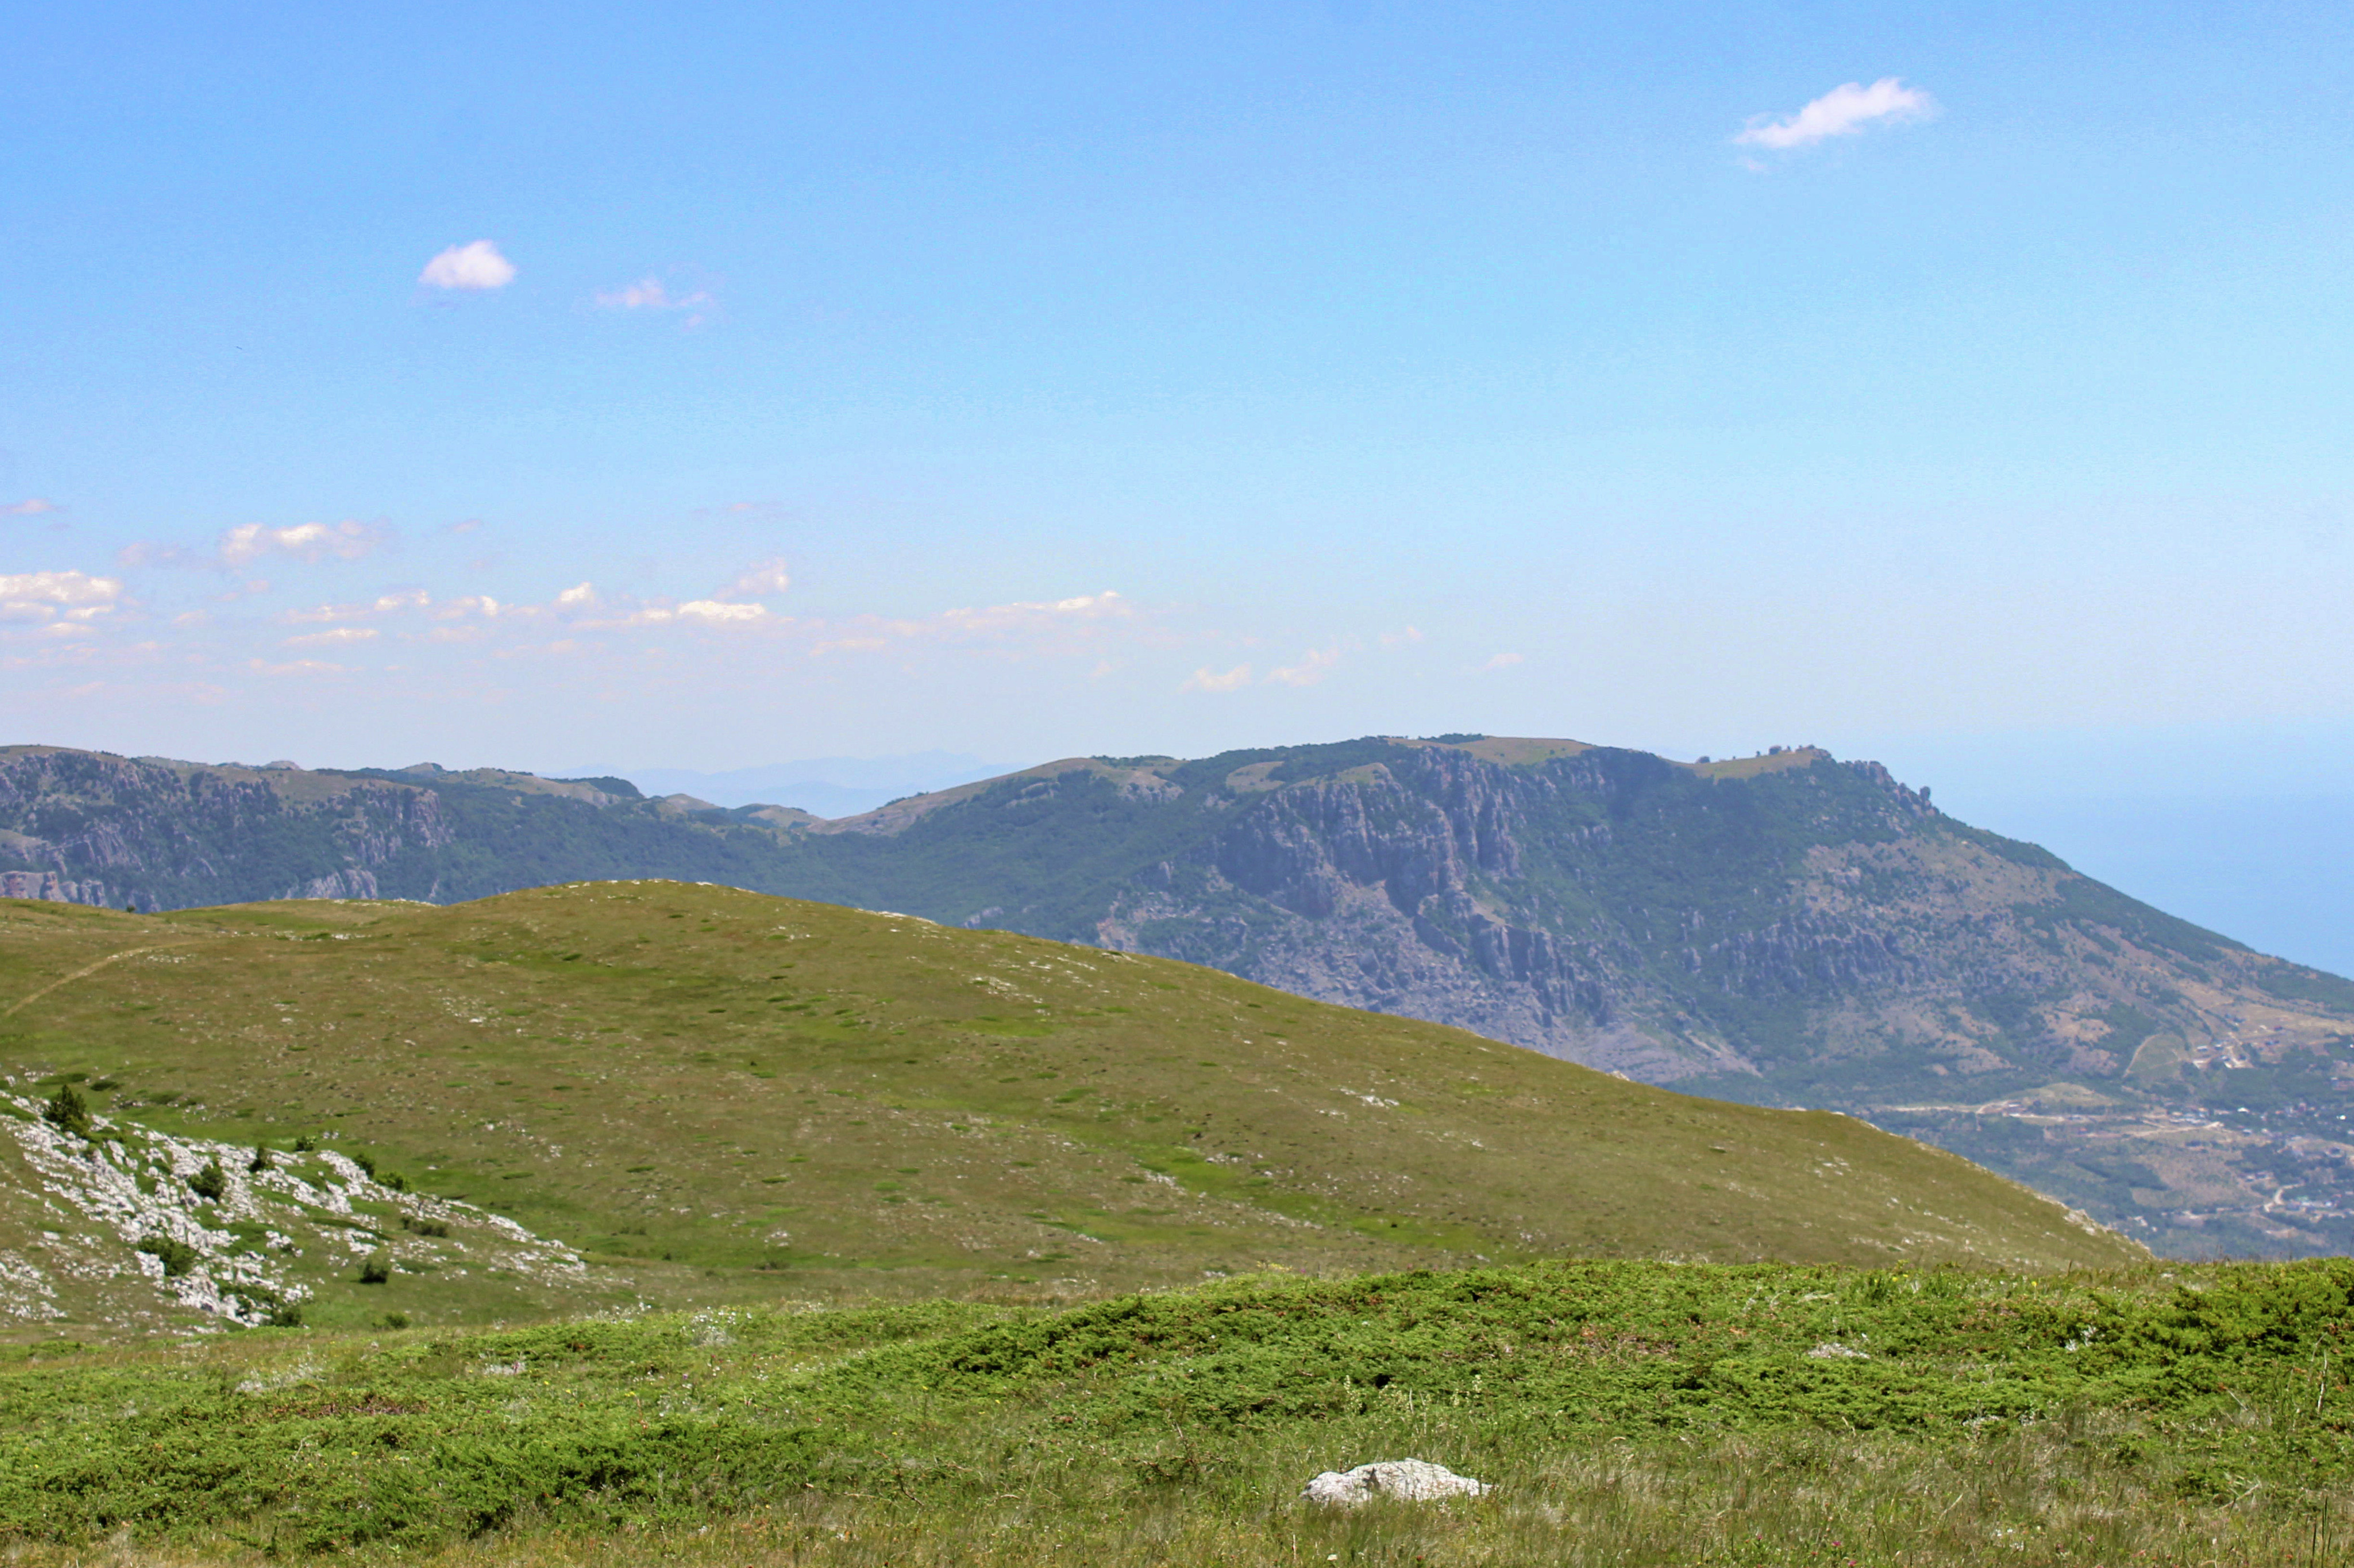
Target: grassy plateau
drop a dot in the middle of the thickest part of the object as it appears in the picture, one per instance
(1624, 1412)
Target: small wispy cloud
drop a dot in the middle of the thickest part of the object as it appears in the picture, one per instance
(475, 268)
(31, 506)
(1313, 666)
(250, 542)
(1207, 680)
(346, 541)
(651, 294)
(763, 581)
(1032, 614)
(654, 294)
(712, 612)
(1844, 111)
(1503, 661)
(340, 634)
(383, 604)
(581, 596)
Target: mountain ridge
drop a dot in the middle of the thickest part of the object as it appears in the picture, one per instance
(1784, 928)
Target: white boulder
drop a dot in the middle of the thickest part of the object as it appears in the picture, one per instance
(1409, 1481)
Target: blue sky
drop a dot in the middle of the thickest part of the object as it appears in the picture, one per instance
(1023, 380)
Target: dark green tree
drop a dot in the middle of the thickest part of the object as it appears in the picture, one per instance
(68, 1111)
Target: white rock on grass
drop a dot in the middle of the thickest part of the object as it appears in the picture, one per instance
(1408, 1480)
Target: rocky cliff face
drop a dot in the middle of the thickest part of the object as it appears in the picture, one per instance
(151, 833)
(1670, 923)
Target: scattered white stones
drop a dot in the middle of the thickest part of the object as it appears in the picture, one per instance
(1408, 1480)
(25, 1292)
(235, 1258)
(1832, 1351)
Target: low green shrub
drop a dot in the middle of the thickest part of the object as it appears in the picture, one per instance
(176, 1256)
(2118, 1396)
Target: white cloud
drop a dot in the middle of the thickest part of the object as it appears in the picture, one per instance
(768, 579)
(1064, 626)
(348, 540)
(633, 613)
(1207, 680)
(1842, 111)
(1313, 666)
(55, 595)
(329, 639)
(384, 604)
(581, 596)
(648, 294)
(652, 294)
(1503, 661)
(477, 267)
(715, 613)
(33, 506)
(296, 667)
(1003, 617)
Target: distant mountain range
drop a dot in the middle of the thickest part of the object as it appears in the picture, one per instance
(1784, 928)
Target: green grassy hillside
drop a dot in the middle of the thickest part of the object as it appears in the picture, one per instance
(707, 1094)
(1788, 929)
(1624, 1413)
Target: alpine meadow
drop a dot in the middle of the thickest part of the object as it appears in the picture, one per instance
(1303, 784)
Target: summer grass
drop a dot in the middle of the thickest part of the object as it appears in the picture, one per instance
(1626, 1412)
(715, 1095)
